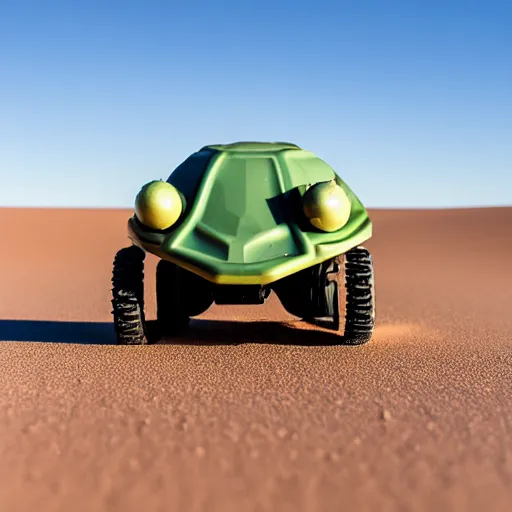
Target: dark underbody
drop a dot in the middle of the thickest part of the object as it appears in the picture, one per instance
(308, 294)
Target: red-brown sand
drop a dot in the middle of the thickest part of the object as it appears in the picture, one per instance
(250, 412)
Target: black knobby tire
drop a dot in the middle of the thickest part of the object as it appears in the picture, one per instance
(360, 293)
(171, 301)
(128, 296)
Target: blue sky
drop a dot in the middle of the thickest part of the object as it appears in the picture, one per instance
(410, 102)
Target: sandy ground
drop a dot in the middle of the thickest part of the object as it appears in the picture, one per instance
(250, 412)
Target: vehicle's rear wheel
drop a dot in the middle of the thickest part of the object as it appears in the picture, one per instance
(360, 293)
(128, 296)
(312, 294)
(180, 294)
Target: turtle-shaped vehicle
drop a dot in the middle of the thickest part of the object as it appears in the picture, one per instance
(234, 222)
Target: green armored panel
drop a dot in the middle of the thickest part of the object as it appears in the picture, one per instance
(243, 220)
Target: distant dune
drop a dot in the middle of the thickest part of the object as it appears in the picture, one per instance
(254, 410)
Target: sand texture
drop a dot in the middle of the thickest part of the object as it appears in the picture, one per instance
(254, 410)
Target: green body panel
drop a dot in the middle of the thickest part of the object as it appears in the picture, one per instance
(244, 147)
(243, 220)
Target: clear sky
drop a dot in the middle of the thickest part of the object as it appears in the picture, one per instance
(410, 102)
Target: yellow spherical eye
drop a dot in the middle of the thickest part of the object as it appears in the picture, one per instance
(327, 206)
(158, 205)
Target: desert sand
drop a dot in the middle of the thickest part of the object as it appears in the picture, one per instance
(254, 410)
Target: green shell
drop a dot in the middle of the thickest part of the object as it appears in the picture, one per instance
(243, 221)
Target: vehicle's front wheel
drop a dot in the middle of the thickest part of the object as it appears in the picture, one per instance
(313, 295)
(360, 296)
(128, 296)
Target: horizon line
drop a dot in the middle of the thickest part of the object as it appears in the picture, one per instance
(374, 208)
